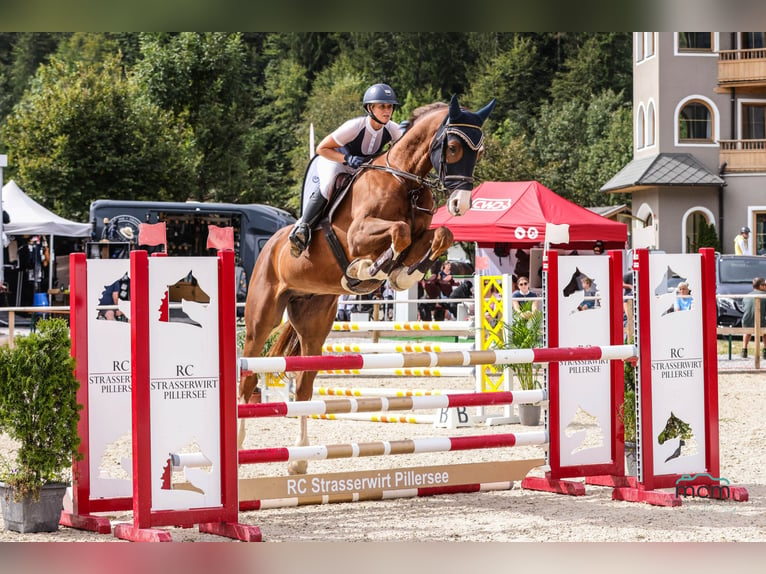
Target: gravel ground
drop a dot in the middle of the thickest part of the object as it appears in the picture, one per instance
(502, 516)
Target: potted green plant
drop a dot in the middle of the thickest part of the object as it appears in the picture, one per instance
(525, 332)
(39, 411)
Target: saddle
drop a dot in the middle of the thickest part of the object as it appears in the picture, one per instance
(340, 189)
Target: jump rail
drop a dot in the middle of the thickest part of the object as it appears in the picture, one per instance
(379, 392)
(389, 448)
(374, 418)
(383, 404)
(395, 347)
(455, 358)
(403, 326)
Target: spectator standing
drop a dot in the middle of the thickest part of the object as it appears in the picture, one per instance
(462, 291)
(598, 248)
(748, 317)
(741, 246)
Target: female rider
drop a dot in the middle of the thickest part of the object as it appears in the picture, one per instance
(345, 150)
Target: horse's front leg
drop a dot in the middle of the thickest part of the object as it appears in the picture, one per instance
(312, 318)
(426, 249)
(304, 391)
(370, 236)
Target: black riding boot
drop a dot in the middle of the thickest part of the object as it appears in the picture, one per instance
(300, 236)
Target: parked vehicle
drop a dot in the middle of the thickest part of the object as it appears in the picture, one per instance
(734, 276)
(187, 228)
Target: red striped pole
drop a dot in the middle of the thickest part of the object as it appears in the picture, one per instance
(454, 358)
(389, 448)
(383, 404)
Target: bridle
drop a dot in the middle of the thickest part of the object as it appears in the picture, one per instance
(443, 183)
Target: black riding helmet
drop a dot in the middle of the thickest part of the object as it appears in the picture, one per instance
(378, 94)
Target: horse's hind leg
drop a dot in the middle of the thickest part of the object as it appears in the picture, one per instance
(312, 318)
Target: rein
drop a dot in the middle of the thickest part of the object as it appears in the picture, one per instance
(437, 184)
(431, 182)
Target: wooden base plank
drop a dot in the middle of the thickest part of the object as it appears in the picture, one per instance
(99, 524)
(375, 483)
(556, 485)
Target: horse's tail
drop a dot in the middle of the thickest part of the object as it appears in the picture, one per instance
(284, 342)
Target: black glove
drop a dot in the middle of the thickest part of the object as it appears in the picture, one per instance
(354, 161)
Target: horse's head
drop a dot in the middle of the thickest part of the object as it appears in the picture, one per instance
(454, 151)
(187, 288)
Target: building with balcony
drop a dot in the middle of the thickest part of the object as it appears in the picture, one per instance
(699, 110)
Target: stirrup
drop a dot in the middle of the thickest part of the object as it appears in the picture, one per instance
(299, 237)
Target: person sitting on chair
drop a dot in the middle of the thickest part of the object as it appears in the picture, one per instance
(526, 308)
(346, 150)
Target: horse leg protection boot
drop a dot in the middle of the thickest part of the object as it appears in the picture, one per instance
(300, 236)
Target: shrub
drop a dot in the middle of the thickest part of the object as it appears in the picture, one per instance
(38, 408)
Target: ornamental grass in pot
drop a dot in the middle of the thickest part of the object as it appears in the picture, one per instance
(39, 411)
(525, 332)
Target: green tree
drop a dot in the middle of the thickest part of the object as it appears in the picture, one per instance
(507, 157)
(277, 133)
(577, 147)
(708, 236)
(84, 132)
(610, 148)
(336, 96)
(313, 51)
(204, 77)
(94, 48)
(603, 62)
(20, 55)
(512, 77)
(409, 60)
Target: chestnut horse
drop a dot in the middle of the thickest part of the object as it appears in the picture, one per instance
(382, 222)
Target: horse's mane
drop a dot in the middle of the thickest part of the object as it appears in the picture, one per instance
(424, 111)
(420, 113)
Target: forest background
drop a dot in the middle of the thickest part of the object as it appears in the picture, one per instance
(225, 117)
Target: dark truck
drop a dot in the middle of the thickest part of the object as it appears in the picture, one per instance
(734, 276)
(187, 228)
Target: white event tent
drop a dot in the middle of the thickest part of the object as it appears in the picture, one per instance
(27, 217)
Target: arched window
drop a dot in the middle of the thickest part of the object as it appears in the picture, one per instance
(699, 230)
(650, 125)
(695, 123)
(644, 234)
(640, 128)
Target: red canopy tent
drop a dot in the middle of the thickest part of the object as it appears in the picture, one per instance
(515, 212)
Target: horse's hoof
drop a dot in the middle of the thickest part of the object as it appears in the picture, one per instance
(298, 467)
(241, 434)
(400, 280)
(360, 269)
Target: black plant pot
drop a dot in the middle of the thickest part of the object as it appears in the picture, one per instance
(29, 515)
(529, 415)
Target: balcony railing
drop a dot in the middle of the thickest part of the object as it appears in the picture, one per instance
(743, 155)
(742, 68)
